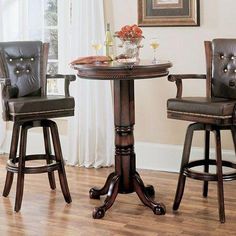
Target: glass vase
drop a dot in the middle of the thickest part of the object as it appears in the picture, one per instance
(131, 49)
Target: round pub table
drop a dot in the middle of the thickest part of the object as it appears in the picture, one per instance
(125, 179)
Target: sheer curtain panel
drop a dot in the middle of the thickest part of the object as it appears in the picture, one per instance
(3, 13)
(91, 131)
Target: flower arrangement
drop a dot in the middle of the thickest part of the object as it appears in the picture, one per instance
(130, 33)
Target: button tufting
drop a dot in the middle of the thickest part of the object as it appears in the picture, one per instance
(225, 70)
(231, 83)
(32, 59)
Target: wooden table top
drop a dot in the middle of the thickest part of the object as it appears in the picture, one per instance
(117, 71)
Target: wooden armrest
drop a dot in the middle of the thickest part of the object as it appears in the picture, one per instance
(61, 76)
(67, 78)
(177, 78)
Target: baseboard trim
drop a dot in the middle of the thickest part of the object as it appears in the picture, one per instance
(153, 156)
(165, 157)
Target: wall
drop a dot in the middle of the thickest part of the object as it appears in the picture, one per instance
(183, 46)
(158, 139)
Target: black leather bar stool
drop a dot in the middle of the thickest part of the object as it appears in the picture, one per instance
(212, 113)
(25, 101)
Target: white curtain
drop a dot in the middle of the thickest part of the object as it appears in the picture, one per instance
(91, 131)
(2, 123)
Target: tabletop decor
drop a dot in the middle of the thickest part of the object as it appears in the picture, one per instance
(131, 37)
(168, 12)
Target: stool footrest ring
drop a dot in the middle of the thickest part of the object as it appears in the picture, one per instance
(13, 167)
(188, 172)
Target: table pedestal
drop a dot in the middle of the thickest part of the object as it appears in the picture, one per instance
(125, 179)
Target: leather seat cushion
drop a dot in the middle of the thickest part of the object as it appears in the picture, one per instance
(50, 106)
(215, 107)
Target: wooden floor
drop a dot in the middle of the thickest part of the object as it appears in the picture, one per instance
(44, 212)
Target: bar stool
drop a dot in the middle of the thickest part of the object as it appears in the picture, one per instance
(26, 103)
(212, 113)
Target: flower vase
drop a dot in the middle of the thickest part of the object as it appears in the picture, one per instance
(131, 49)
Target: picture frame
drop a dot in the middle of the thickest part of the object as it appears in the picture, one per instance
(169, 13)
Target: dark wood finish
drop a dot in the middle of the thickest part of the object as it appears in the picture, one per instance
(17, 164)
(125, 179)
(60, 161)
(208, 53)
(206, 124)
(200, 119)
(116, 71)
(178, 81)
(185, 160)
(12, 158)
(48, 153)
(219, 174)
(206, 165)
(187, 171)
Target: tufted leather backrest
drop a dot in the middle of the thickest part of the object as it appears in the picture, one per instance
(24, 63)
(224, 68)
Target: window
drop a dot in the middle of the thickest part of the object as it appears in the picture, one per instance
(44, 26)
(45, 20)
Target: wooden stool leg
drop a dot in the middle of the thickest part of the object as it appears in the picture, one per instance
(219, 176)
(59, 158)
(233, 132)
(206, 166)
(185, 160)
(12, 155)
(48, 152)
(21, 166)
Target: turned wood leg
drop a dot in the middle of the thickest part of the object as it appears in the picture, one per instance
(233, 132)
(95, 193)
(12, 155)
(59, 158)
(219, 176)
(99, 212)
(206, 166)
(48, 152)
(158, 208)
(21, 166)
(185, 160)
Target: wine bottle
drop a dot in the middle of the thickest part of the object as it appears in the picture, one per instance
(108, 42)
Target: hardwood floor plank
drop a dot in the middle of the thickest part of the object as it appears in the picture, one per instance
(44, 211)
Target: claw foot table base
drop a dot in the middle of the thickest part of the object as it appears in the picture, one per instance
(125, 179)
(111, 189)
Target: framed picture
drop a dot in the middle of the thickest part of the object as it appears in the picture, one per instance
(168, 12)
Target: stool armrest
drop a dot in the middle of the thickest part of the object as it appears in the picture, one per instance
(177, 78)
(67, 78)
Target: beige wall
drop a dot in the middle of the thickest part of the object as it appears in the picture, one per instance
(183, 46)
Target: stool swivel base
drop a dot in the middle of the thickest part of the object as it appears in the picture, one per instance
(186, 166)
(17, 164)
